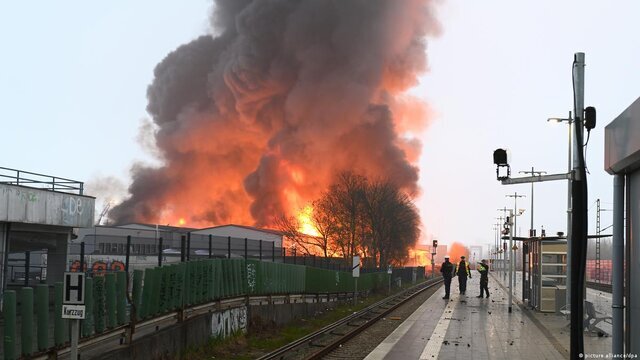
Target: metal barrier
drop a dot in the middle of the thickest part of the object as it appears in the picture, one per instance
(158, 291)
(48, 182)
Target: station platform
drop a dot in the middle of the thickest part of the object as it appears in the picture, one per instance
(467, 327)
(558, 325)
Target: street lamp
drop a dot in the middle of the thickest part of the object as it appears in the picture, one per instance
(569, 121)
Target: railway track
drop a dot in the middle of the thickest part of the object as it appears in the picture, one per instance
(320, 343)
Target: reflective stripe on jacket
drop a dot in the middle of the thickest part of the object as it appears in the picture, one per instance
(467, 267)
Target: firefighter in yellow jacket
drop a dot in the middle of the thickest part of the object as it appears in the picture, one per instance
(463, 271)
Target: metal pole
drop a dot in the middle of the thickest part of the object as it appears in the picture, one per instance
(569, 169)
(273, 251)
(183, 240)
(82, 257)
(579, 219)
(245, 249)
(4, 257)
(627, 261)
(73, 352)
(188, 246)
(260, 250)
(210, 246)
(127, 253)
(229, 247)
(617, 300)
(160, 251)
(511, 222)
(433, 264)
(514, 219)
(27, 266)
(355, 294)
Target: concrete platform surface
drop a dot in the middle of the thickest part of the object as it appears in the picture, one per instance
(467, 327)
(558, 325)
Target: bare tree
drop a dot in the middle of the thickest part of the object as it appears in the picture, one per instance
(323, 221)
(289, 226)
(344, 199)
(375, 219)
(393, 220)
(311, 245)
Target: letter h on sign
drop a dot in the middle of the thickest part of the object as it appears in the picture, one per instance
(73, 288)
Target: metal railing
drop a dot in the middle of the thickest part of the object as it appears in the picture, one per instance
(42, 181)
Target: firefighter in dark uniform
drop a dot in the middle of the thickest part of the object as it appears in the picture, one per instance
(447, 273)
(483, 269)
(463, 271)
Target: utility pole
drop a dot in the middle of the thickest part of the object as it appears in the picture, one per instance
(515, 197)
(494, 251)
(499, 226)
(504, 253)
(510, 221)
(579, 214)
(532, 233)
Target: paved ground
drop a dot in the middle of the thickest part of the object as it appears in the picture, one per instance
(466, 327)
(557, 325)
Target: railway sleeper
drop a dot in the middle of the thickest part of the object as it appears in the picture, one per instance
(338, 333)
(314, 344)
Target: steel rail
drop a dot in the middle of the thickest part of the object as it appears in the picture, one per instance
(387, 305)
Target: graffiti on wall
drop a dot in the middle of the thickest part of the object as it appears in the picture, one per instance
(229, 322)
(99, 267)
(41, 206)
(251, 277)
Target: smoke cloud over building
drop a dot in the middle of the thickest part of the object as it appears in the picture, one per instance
(257, 120)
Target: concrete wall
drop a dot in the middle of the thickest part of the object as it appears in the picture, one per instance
(164, 344)
(34, 206)
(168, 343)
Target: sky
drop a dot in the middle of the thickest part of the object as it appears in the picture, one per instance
(73, 79)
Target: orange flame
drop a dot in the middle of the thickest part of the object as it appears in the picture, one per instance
(306, 224)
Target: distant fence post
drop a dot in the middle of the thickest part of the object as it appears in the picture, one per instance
(82, 257)
(27, 266)
(128, 253)
(210, 246)
(284, 254)
(188, 246)
(273, 251)
(245, 248)
(229, 247)
(294, 256)
(182, 245)
(260, 250)
(160, 251)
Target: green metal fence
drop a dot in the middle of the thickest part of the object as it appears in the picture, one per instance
(160, 290)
